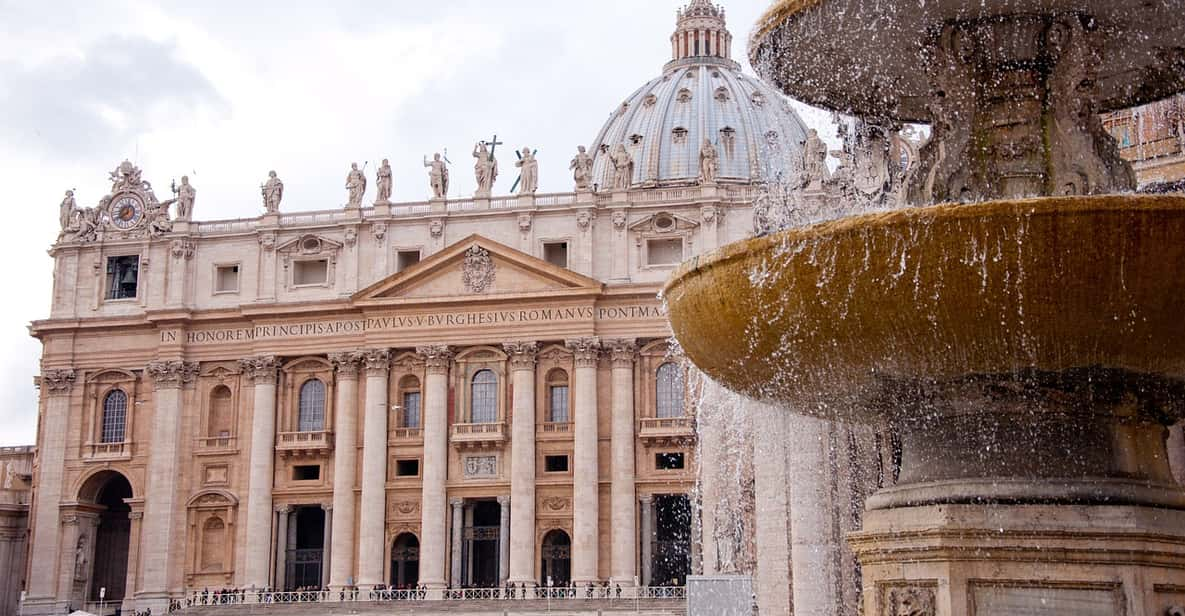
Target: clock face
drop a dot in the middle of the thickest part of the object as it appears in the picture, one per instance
(126, 212)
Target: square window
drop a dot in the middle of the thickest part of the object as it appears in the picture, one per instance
(556, 253)
(310, 272)
(310, 472)
(407, 468)
(405, 259)
(555, 464)
(226, 279)
(668, 461)
(123, 274)
(667, 251)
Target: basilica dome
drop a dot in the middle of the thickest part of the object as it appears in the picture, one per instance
(700, 95)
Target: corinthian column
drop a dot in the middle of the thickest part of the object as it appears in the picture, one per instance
(522, 464)
(345, 453)
(262, 371)
(374, 469)
(433, 500)
(772, 515)
(160, 500)
(585, 504)
(625, 530)
(51, 449)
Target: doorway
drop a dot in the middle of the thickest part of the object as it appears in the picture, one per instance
(556, 553)
(672, 540)
(481, 536)
(306, 543)
(405, 561)
(109, 569)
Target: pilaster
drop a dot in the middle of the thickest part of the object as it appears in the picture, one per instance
(433, 511)
(521, 540)
(56, 387)
(622, 354)
(585, 479)
(262, 372)
(372, 536)
(345, 446)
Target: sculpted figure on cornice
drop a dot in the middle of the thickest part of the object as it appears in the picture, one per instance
(529, 178)
(130, 210)
(485, 169)
(172, 373)
(437, 176)
(383, 182)
(581, 167)
(522, 354)
(272, 191)
(355, 186)
(66, 210)
(184, 196)
(623, 167)
(709, 163)
(813, 165)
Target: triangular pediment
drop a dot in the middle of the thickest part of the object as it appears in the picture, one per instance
(474, 269)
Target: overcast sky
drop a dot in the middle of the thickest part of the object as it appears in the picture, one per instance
(224, 91)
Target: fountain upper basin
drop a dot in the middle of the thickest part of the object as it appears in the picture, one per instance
(828, 318)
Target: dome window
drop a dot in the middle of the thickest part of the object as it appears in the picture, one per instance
(728, 139)
(758, 99)
(684, 96)
(664, 222)
(624, 107)
(679, 135)
(649, 101)
(689, 75)
(772, 138)
(604, 148)
(722, 94)
(635, 139)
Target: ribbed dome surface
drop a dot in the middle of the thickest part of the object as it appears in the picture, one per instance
(663, 124)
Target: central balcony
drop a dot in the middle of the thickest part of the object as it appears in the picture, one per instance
(663, 431)
(478, 435)
(304, 444)
(108, 451)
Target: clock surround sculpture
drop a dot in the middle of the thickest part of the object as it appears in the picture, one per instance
(1022, 341)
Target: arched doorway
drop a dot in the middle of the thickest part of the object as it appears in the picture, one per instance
(557, 558)
(109, 560)
(405, 561)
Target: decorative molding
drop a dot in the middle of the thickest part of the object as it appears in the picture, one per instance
(267, 240)
(622, 352)
(504, 501)
(522, 354)
(351, 236)
(58, 382)
(347, 364)
(585, 350)
(478, 270)
(261, 369)
(379, 229)
(481, 466)
(183, 248)
(619, 220)
(456, 503)
(524, 223)
(436, 357)
(406, 508)
(436, 227)
(377, 361)
(709, 213)
(556, 503)
(172, 374)
(908, 600)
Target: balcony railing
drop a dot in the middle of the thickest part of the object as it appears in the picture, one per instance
(554, 430)
(304, 443)
(534, 599)
(406, 434)
(478, 435)
(666, 430)
(215, 443)
(109, 451)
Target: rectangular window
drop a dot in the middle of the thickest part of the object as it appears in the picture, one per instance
(559, 404)
(311, 472)
(555, 464)
(405, 259)
(411, 409)
(407, 468)
(670, 461)
(664, 251)
(226, 279)
(123, 274)
(556, 253)
(310, 272)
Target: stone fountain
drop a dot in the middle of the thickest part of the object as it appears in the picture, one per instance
(1024, 340)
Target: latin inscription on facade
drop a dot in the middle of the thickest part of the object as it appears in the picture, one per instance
(330, 327)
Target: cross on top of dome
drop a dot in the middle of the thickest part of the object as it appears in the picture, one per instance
(700, 32)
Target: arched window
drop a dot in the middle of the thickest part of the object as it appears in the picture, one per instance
(311, 417)
(115, 417)
(484, 397)
(221, 414)
(557, 396)
(213, 544)
(669, 395)
(410, 386)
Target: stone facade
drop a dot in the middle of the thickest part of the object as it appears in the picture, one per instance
(16, 479)
(1152, 138)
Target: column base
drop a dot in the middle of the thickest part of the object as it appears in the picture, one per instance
(1032, 559)
(44, 606)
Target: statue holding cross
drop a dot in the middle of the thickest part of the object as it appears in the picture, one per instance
(485, 167)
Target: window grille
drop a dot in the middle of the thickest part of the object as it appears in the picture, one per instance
(559, 404)
(115, 417)
(411, 409)
(669, 401)
(484, 399)
(311, 416)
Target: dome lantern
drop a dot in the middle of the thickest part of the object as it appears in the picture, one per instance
(700, 32)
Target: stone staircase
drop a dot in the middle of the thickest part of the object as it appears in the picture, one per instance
(470, 607)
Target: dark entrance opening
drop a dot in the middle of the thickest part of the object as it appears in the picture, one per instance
(481, 535)
(112, 536)
(405, 561)
(306, 542)
(557, 558)
(672, 540)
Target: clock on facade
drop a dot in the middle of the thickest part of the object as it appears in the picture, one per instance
(126, 212)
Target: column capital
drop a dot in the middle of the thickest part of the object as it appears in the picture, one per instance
(586, 351)
(58, 382)
(261, 369)
(377, 361)
(347, 364)
(327, 507)
(622, 352)
(283, 508)
(172, 374)
(522, 354)
(646, 499)
(135, 515)
(504, 501)
(436, 357)
(456, 503)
